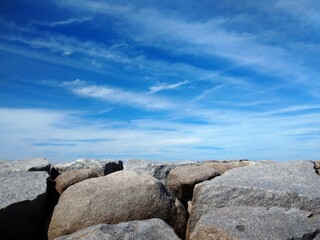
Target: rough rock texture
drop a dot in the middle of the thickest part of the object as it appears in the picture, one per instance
(182, 179)
(317, 166)
(223, 166)
(68, 178)
(158, 170)
(22, 204)
(103, 167)
(253, 223)
(153, 229)
(33, 164)
(118, 197)
(290, 185)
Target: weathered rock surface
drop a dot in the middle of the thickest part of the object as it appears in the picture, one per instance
(68, 178)
(317, 166)
(118, 197)
(182, 179)
(33, 164)
(153, 229)
(290, 184)
(103, 167)
(253, 223)
(223, 166)
(158, 170)
(22, 204)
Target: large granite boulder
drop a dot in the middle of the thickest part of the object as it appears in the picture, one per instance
(32, 164)
(68, 178)
(153, 229)
(182, 179)
(290, 184)
(103, 167)
(22, 204)
(253, 223)
(118, 197)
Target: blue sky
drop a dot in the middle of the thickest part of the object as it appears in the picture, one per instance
(160, 80)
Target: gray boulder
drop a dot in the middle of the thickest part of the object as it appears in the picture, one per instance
(159, 170)
(289, 184)
(68, 178)
(253, 223)
(118, 197)
(32, 164)
(22, 204)
(103, 167)
(153, 229)
(182, 179)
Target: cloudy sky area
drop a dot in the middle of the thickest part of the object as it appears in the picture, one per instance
(160, 80)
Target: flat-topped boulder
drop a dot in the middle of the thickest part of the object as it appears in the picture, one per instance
(32, 164)
(253, 223)
(290, 185)
(22, 204)
(223, 166)
(152, 229)
(103, 167)
(68, 178)
(118, 197)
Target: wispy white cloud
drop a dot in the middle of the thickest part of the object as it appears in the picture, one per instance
(173, 32)
(58, 43)
(305, 12)
(54, 134)
(165, 86)
(63, 22)
(119, 96)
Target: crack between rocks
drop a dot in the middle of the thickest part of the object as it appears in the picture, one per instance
(315, 168)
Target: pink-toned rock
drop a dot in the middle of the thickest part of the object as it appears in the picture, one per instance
(118, 197)
(182, 180)
(68, 178)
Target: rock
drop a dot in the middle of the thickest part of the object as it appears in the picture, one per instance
(33, 164)
(155, 169)
(153, 229)
(223, 166)
(182, 179)
(289, 184)
(253, 223)
(317, 166)
(22, 204)
(118, 197)
(103, 167)
(68, 178)
(158, 170)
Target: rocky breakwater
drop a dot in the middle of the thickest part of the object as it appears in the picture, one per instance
(92, 199)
